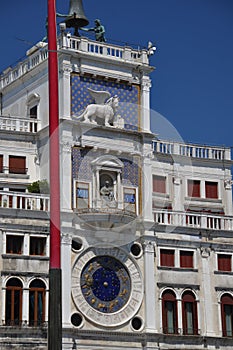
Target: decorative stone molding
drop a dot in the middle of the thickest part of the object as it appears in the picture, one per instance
(148, 246)
(177, 180)
(205, 252)
(67, 146)
(228, 184)
(66, 239)
(146, 84)
(66, 69)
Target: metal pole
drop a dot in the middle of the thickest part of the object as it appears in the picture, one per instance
(55, 309)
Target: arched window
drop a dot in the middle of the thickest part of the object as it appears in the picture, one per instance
(227, 315)
(169, 313)
(189, 313)
(36, 303)
(13, 314)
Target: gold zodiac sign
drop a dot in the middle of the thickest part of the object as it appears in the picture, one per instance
(123, 292)
(101, 306)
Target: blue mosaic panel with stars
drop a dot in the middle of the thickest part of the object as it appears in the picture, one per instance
(82, 170)
(128, 97)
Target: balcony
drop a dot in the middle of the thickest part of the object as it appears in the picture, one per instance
(105, 218)
(26, 201)
(94, 48)
(39, 53)
(28, 125)
(193, 220)
(191, 150)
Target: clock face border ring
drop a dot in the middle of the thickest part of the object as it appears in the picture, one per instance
(134, 301)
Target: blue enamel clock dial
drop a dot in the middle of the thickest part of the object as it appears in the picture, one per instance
(105, 284)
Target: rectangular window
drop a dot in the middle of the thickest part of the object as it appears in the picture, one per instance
(211, 189)
(167, 257)
(1, 163)
(159, 184)
(14, 244)
(17, 165)
(130, 199)
(82, 195)
(186, 259)
(224, 262)
(194, 188)
(33, 112)
(37, 245)
(33, 115)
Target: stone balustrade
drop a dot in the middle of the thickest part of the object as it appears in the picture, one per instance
(195, 220)
(12, 74)
(85, 45)
(18, 124)
(39, 53)
(192, 150)
(27, 201)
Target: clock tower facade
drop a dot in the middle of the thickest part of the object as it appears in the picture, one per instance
(146, 223)
(106, 184)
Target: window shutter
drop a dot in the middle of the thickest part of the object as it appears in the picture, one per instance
(167, 257)
(186, 259)
(159, 184)
(211, 189)
(194, 188)
(17, 165)
(1, 163)
(224, 262)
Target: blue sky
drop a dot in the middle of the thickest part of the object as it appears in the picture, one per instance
(192, 85)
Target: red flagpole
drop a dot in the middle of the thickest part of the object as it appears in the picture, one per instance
(55, 314)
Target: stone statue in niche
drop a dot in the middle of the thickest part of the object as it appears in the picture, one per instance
(107, 192)
(104, 110)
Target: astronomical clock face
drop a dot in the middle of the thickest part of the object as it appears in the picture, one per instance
(107, 286)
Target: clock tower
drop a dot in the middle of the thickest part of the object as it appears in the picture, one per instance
(106, 184)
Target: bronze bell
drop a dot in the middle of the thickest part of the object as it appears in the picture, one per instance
(76, 18)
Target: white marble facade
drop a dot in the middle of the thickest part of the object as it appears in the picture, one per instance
(146, 224)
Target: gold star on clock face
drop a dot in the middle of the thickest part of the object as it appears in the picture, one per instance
(105, 284)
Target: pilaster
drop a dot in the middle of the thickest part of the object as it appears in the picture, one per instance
(66, 242)
(65, 94)
(145, 104)
(207, 302)
(149, 272)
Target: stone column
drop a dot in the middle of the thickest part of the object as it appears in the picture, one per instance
(119, 192)
(3, 304)
(46, 305)
(25, 308)
(26, 247)
(149, 279)
(179, 314)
